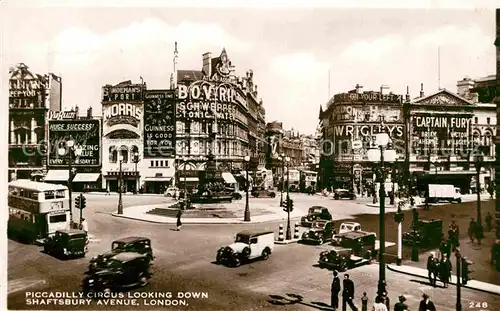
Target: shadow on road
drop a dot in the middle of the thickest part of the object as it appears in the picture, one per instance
(290, 299)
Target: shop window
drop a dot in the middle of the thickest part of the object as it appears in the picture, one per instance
(475, 120)
(57, 218)
(488, 120)
(113, 155)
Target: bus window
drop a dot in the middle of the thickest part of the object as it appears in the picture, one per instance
(49, 195)
(57, 218)
(60, 194)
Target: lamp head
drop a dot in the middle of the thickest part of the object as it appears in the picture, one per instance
(70, 143)
(61, 151)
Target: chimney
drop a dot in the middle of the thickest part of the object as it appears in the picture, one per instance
(407, 97)
(76, 112)
(89, 113)
(464, 86)
(207, 64)
(474, 97)
(382, 88)
(358, 88)
(421, 90)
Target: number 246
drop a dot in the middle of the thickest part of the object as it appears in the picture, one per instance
(473, 305)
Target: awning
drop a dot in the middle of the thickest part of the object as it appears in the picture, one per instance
(57, 175)
(182, 179)
(164, 179)
(86, 177)
(228, 178)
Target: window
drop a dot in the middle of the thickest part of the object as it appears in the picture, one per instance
(161, 163)
(59, 194)
(152, 163)
(113, 154)
(488, 120)
(156, 163)
(253, 241)
(57, 218)
(49, 195)
(475, 120)
(124, 154)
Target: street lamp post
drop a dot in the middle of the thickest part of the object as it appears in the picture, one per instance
(479, 163)
(459, 281)
(62, 152)
(384, 153)
(281, 158)
(247, 207)
(288, 203)
(414, 249)
(120, 186)
(136, 160)
(399, 217)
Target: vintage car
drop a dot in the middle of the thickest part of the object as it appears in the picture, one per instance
(341, 259)
(248, 245)
(320, 232)
(426, 234)
(171, 191)
(344, 194)
(345, 227)
(362, 243)
(134, 244)
(121, 271)
(67, 244)
(315, 213)
(261, 192)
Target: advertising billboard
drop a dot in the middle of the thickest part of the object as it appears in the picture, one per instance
(86, 135)
(122, 93)
(159, 123)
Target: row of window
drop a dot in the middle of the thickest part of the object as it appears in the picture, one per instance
(221, 147)
(159, 163)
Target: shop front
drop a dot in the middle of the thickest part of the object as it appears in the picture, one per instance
(156, 184)
(130, 181)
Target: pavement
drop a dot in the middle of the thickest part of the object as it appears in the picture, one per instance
(472, 284)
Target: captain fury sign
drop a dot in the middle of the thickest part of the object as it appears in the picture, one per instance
(159, 123)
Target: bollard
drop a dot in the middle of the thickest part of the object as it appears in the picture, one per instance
(296, 233)
(280, 234)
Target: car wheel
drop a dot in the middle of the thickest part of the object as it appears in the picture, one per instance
(265, 254)
(168, 195)
(237, 262)
(343, 266)
(218, 258)
(272, 195)
(321, 241)
(143, 280)
(246, 252)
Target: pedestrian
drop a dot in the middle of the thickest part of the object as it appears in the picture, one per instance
(426, 304)
(472, 230)
(401, 306)
(84, 226)
(445, 270)
(453, 235)
(386, 300)
(179, 223)
(478, 232)
(444, 248)
(431, 268)
(364, 302)
(488, 219)
(379, 304)
(348, 294)
(335, 290)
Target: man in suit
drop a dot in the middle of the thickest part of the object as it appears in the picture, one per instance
(348, 294)
(335, 290)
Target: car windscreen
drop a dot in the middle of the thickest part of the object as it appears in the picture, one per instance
(118, 245)
(243, 239)
(114, 264)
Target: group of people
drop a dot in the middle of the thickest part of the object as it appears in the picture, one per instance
(439, 268)
(382, 301)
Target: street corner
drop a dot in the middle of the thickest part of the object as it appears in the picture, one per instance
(17, 285)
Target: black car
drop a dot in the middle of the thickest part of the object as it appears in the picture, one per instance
(123, 270)
(134, 244)
(261, 192)
(67, 244)
(320, 232)
(344, 194)
(427, 233)
(315, 213)
(361, 243)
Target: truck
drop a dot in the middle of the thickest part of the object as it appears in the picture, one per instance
(444, 193)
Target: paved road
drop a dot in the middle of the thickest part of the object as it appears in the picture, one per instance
(184, 263)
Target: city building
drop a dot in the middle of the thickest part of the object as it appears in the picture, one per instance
(496, 101)
(31, 97)
(218, 113)
(443, 128)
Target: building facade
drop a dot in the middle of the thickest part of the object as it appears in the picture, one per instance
(435, 138)
(218, 113)
(30, 98)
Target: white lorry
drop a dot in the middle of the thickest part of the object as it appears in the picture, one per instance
(444, 193)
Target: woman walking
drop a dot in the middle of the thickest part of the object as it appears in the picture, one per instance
(179, 223)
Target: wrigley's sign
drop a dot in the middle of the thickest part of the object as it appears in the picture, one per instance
(62, 115)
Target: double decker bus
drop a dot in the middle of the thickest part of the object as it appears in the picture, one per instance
(308, 181)
(294, 180)
(37, 210)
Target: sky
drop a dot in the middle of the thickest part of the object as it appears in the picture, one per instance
(299, 56)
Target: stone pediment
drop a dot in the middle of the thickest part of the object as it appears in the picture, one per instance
(443, 98)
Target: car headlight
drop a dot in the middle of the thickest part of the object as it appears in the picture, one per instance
(65, 251)
(305, 235)
(326, 259)
(91, 281)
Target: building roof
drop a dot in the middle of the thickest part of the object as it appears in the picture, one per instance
(34, 185)
(487, 78)
(253, 232)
